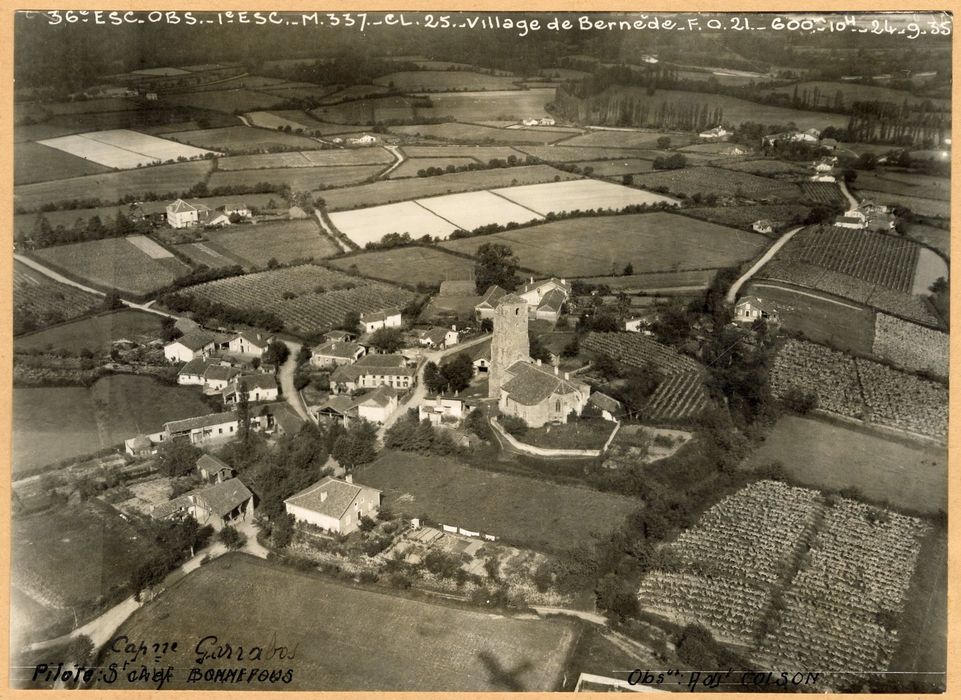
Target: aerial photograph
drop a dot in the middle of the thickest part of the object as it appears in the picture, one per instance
(477, 351)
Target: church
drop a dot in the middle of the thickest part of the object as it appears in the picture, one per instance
(524, 388)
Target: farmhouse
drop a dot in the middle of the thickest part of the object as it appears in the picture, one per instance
(852, 219)
(611, 409)
(545, 298)
(192, 373)
(217, 377)
(336, 353)
(823, 177)
(436, 338)
(339, 335)
(217, 505)
(763, 226)
(277, 418)
(718, 133)
(249, 343)
(485, 307)
(190, 345)
(335, 505)
(260, 387)
(213, 470)
(182, 214)
(480, 356)
(139, 446)
(442, 409)
(203, 430)
(380, 319)
(751, 308)
(338, 408)
(378, 405)
(372, 371)
(365, 140)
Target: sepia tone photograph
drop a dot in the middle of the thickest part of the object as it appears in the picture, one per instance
(480, 351)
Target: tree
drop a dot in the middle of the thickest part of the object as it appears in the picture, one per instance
(629, 269)
(800, 401)
(664, 142)
(496, 264)
(434, 379)
(351, 321)
(243, 412)
(277, 353)
(487, 325)
(387, 340)
(458, 372)
(637, 389)
(168, 330)
(303, 355)
(232, 538)
(605, 366)
(112, 301)
(177, 457)
(537, 349)
(357, 446)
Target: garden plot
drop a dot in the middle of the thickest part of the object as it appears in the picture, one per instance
(471, 210)
(121, 148)
(584, 194)
(153, 249)
(364, 226)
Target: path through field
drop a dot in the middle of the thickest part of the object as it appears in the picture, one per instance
(847, 193)
(399, 159)
(330, 234)
(762, 261)
(286, 376)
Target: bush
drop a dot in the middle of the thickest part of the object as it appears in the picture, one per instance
(232, 538)
(514, 426)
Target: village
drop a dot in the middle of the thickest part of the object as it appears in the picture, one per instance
(558, 363)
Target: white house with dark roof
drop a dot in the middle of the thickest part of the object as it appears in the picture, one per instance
(545, 298)
(333, 504)
(191, 345)
(249, 343)
(260, 387)
(372, 371)
(334, 353)
(439, 337)
(192, 373)
(183, 214)
(485, 307)
(203, 430)
(378, 405)
(389, 318)
(217, 377)
(751, 308)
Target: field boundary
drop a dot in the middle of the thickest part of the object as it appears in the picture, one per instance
(549, 451)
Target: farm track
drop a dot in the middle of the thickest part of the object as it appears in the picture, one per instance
(761, 262)
(399, 160)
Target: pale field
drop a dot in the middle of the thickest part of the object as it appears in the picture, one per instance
(364, 226)
(470, 210)
(307, 159)
(151, 248)
(121, 148)
(581, 194)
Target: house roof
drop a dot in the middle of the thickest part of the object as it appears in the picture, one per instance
(220, 373)
(338, 335)
(194, 340)
(340, 495)
(381, 361)
(491, 296)
(198, 365)
(177, 426)
(531, 384)
(219, 498)
(756, 302)
(260, 380)
(375, 316)
(436, 335)
(381, 396)
(140, 442)
(605, 402)
(287, 418)
(212, 464)
(180, 206)
(762, 223)
(480, 351)
(337, 348)
(536, 284)
(254, 338)
(553, 300)
(850, 220)
(338, 403)
(511, 299)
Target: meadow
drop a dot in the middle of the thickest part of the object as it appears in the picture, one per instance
(601, 245)
(627, 138)
(529, 512)
(851, 93)
(242, 138)
(370, 110)
(720, 182)
(454, 131)
(295, 119)
(363, 226)
(938, 238)
(493, 105)
(481, 154)
(228, 101)
(429, 647)
(54, 423)
(283, 241)
(410, 265)
(584, 195)
(113, 263)
(298, 179)
(33, 162)
(113, 186)
(441, 81)
(308, 159)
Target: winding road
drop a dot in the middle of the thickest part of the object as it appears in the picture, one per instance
(285, 373)
(761, 262)
(400, 158)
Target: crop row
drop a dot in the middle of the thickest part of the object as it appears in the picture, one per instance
(263, 288)
(911, 346)
(313, 313)
(822, 192)
(43, 301)
(636, 350)
(873, 257)
(680, 396)
(829, 373)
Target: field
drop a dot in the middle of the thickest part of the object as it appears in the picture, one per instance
(369, 110)
(767, 168)
(823, 193)
(893, 182)
(628, 138)
(429, 648)
(113, 186)
(801, 579)
(650, 242)
(472, 132)
(584, 195)
(442, 81)
(410, 265)
(924, 206)
(938, 238)
(44, 301)
(820, 318)
(95, 334)
(38, 110)
(377, 193)
(563, 153)
(657, 280)
(636, 350)
(471, 210)
(876, 258)
(72, 555)
(680, 396)
(911, 346)
(227, 101)
(370, 225)
(617, 168)
(307, 159)
(298, 179)
(295, 119)
(320, 298)
(411, 166)
(54, 423)
(906, 475)
(33, 162)
(491, 105)
(123, 149)
(114, 263)
(242, 138)
(481, 154)
(283, 241)
(529, 512)
(862, 389)
(850, 93)
(720, 182)
(782, 215)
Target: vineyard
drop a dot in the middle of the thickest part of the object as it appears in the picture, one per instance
(681, 393)
(40, 300)
(862, 389)
(823, 193)
(911, 346)
(873, 257)
(841, 610)
(308, 299)
(800, 579)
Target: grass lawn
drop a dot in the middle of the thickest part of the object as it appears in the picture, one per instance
(832, 456)
(95, 333)
(529, 512)
(33, 162)
(409, 265)
(601, 245)
(54, 423)
(347, 638)
(75, 553)
(575, 435)
(285, 241)
(821, 321)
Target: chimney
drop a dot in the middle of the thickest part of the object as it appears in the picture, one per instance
(532, 279)
(453, 327)
(538, 363)
(349, 478)
(567, 376)
(323, 496)
(555, 370)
